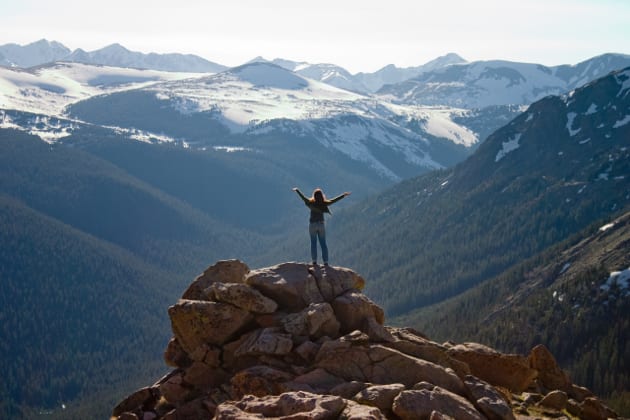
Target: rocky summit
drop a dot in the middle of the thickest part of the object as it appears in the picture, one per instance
(297, 341)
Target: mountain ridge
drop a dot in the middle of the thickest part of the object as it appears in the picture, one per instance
(362, 82)
(498, 82)
(44, 52)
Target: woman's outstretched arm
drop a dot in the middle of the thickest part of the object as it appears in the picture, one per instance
(302, 196)
(339, 197)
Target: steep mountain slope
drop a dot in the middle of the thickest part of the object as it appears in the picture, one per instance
(548, 174)
(220, 181)
(92, 195)
(579, 286)
(73, 309)
(485, 83)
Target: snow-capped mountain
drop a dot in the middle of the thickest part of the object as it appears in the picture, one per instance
(391, 74)
(236, 107)
(33, 54)
(49, 89)
(434, 120)
(361, 82)
(328, 73)
(118, 56)
(44, 52)
(485, 83)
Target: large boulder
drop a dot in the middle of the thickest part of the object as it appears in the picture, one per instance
(196, 323)
(382, 365)
(335, 281)
(316, 320)
(143, 396)
(427, 398)
(294, 286)
(355, 411)
(353, 308)
(227, 271)
(242, 296)
(555, 399)
(269, 341)
(550, 375)
(381, 396)
(593, 409)
(317, 380)
(260, 381)
(511, 371)
(488, 400)
(411, 342)
(290, 405)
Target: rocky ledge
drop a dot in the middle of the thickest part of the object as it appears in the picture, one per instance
(296, 341)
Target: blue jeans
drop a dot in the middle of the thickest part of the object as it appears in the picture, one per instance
(317, 230)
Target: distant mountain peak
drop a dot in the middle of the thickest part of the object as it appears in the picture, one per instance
(450, 58)
(115, 46)
(266, 74)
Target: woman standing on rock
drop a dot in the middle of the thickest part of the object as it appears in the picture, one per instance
(318, 204)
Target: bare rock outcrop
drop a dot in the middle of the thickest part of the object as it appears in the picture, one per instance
(295, 341)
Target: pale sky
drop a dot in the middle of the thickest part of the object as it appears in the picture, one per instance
(359, 35)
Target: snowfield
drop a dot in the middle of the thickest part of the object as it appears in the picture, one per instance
(49, 89)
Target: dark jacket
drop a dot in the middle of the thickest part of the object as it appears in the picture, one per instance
(318, 209)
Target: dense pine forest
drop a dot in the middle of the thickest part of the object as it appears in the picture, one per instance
(564, 287)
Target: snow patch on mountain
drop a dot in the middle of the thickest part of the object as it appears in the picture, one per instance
(620, 279)
(508, 146)
(622, 122)
(623, 79)
(255, 93)
(49, 129)
(591, 109)
(570, 118)
(48, 90)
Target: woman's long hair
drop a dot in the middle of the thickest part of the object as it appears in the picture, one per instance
(318, 196)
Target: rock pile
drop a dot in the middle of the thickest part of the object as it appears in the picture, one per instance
(296, 341)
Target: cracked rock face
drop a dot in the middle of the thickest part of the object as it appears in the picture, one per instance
(294, 341)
